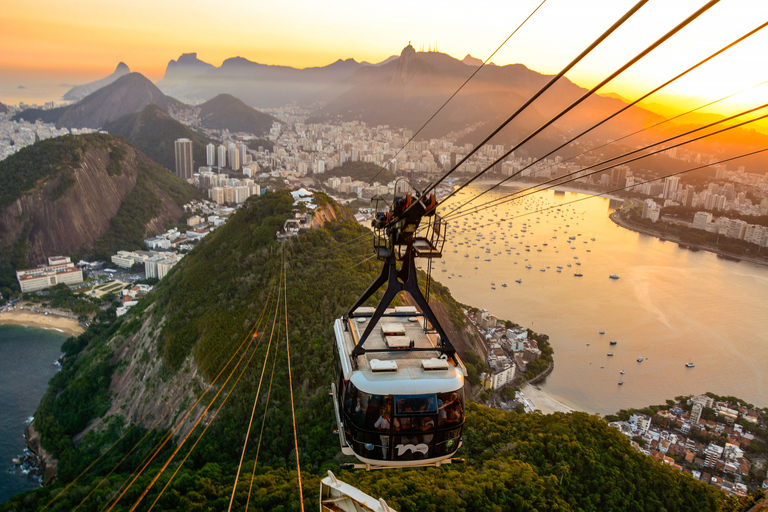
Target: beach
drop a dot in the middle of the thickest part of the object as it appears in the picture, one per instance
(41, 321)
(535, 399)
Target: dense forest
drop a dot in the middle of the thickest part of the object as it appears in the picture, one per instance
(216, 311)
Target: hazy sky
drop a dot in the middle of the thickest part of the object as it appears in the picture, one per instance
(82, 40)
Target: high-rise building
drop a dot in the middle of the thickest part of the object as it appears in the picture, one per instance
(184, 161)
(234, 157)
(221, 153)
(670, 187)
(241, 149)
(210, 155)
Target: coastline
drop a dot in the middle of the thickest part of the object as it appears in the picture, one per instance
(543, 401)
(541, 186)
(42, 321)
(626, 225)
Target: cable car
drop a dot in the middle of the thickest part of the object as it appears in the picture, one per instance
(398, 392)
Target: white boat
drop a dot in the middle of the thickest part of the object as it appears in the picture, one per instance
(689, 365)
(518, 281)
(614, 276)
(639, 359)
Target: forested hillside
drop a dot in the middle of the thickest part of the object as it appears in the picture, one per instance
(197, 349)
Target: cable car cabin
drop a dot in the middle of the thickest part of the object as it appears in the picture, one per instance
(398, 404)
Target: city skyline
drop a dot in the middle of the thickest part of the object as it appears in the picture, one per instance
(52, 41)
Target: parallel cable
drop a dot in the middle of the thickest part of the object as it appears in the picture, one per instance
(556, 181)
(669, 119)
(290, 383)
(178, 426)
(541, 91)
(460, 88)
(589, 93)
(623, 109)
(744, 155)
(258, 391)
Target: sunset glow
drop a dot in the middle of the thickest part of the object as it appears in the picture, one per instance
(83, 40)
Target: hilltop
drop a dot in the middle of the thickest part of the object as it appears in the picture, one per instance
(82, 195)
(79, 92)
(225, 112)
(153, 131)
(150, 366)
(129, 93)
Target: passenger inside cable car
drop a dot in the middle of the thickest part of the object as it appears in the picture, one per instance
(402, 427)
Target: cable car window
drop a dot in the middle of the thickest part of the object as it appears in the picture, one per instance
(450, 408)
(413, 405)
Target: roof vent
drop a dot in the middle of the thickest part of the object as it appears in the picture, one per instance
(431, 365)
(410, 310)
(398, 341)
(378, 365)
(392, 329)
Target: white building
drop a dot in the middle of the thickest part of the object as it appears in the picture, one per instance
(45, 276)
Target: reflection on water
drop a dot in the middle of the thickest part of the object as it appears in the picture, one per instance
(670, 305)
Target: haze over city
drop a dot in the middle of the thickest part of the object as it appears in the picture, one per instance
(80, 41)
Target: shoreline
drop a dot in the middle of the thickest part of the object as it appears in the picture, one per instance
(543, 187)
(52, 321)
(637, 229)
(543, 401)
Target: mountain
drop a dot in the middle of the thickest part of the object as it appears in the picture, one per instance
(79, 92)
(225, 112)
(406, 92)
(127, 381)
(3, 109)
(82, 195)
(129, 93)
(259, 85)
(153, 131)
(472, 61)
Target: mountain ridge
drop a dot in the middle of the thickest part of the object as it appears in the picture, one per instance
(79, 92)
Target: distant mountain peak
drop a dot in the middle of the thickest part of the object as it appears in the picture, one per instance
(471, 61)
(408, 54)
(122, 68)
(79, 92)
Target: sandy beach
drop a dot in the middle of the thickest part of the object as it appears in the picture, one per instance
(537, 399)
(41, 321)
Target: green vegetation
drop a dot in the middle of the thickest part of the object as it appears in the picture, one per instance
(210, 302)
(128, 228)
(153, 131)
(227, 112)
(33, 165)
(267, 144)
(363, 171)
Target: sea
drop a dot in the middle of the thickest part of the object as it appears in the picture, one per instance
(668, 305)
(27, 362)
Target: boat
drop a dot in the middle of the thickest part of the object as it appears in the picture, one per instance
(614, 276)
(610, 354)
(518, 281)
(613, 342)
(622, 372)
(578, 274)
(639, 359)
(621, 382)
(528, 266)
(689, 365)
(487, 259)
(602, 332)
(504, 285)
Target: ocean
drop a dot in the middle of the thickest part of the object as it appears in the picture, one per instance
(27, 362)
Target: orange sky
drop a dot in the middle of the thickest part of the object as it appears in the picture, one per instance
(83, 40)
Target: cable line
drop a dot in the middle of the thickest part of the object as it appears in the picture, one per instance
(477, 207)
(290, 382)
(752, 153)
(589, 93)
(623, 109)
(460, 88)
(555, 181)
(541, 91)
(181, 422)
(258, 391)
